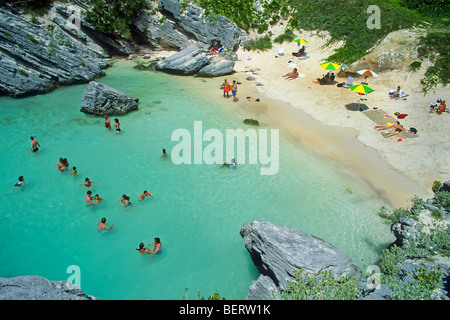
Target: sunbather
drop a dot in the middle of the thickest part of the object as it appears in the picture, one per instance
(396, 93)
(397, 130)
(394, 124)
(291, 75)
(442, 107)
(300, 52)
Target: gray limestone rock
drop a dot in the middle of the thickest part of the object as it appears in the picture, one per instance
(186, 62)
(278, 250)
(100, 99)
(39, 288)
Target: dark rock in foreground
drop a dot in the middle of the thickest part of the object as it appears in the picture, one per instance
(99, 99)
(277, 251)
(39, 288)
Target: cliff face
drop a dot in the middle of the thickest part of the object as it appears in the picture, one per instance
(35, 58)
(63, 48)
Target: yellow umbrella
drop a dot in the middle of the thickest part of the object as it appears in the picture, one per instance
(298, 40)
(330, 66)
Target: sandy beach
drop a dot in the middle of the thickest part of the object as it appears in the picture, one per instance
(317, 118)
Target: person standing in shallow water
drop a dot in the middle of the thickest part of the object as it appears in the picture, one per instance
(107, 123)
(117, 125)
(234, 90)
(34, 145)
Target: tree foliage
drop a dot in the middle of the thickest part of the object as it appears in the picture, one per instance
(113, 16)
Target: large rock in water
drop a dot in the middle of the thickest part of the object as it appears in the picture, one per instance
(39, 288)
(99, 99)
(277, 251)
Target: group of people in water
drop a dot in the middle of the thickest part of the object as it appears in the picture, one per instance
(63, 165)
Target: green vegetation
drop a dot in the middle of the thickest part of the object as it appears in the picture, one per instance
(321, 286)
(346, 20)
(113, 16)
(262, 43)
(443, 200)
(214, 296)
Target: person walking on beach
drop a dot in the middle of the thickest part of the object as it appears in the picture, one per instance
(117, 125)
(107, 123)
(234, 90)
(226, 88)
(102, 226)
(34, 145)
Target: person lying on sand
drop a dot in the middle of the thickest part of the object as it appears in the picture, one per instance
(394, 124)
(396, 93)
(396, 131)
(291, 75)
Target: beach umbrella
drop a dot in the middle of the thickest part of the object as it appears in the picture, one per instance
(361, 88)
(298, 40)
(330, 66)
(367, 73)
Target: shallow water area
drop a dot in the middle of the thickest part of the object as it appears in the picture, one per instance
(197, 210)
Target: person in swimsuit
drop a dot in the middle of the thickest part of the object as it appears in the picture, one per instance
(107, 123)
(291, 75)
(232, 164)
(234, 90)
(226, 88)
(142, 247)
(74, 171)
(88, 198)
(117, 125)
(164, 154)
(87, 183)
(394, 124)
(34, 145)
(397, 130)
(102, 226)
(62, 164)
(144, 195)
(125, 200)
(97, 199)
(21, 182)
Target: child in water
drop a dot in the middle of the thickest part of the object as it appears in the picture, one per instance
(21, 182)
(97, 199)
(74, 171)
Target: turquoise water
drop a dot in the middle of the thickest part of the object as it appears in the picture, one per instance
(197, 210)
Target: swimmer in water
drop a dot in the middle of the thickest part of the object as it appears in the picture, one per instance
(74, 171)
(144, 195)
(125, 200)
(164, 154)
(88, 198)
(87, 183)
(142, 247)
(107, 123)
(21, 182)
(232, 164)
(117, 125)
(102, 226)
(34, 145)
(62, 164)
(97, 199)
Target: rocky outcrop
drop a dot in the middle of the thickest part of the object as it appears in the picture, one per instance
(35, 58)
(278, 250)
(186, 62)
(99, 99)
(39, 288)
(396, 51)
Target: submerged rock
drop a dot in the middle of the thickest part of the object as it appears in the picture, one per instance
(39, 288)
(100, 99)
(251, 122)
(277, 251)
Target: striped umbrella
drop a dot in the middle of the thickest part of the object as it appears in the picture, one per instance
(361, 88)
(298, 40)
(367, 73)
(330, 66)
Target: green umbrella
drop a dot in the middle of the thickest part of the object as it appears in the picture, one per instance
(361, 88)
(330, 66)
(298, 40)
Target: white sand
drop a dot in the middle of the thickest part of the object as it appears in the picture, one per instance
(397, 170)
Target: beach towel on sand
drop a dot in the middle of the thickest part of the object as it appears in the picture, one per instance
(379, 117)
